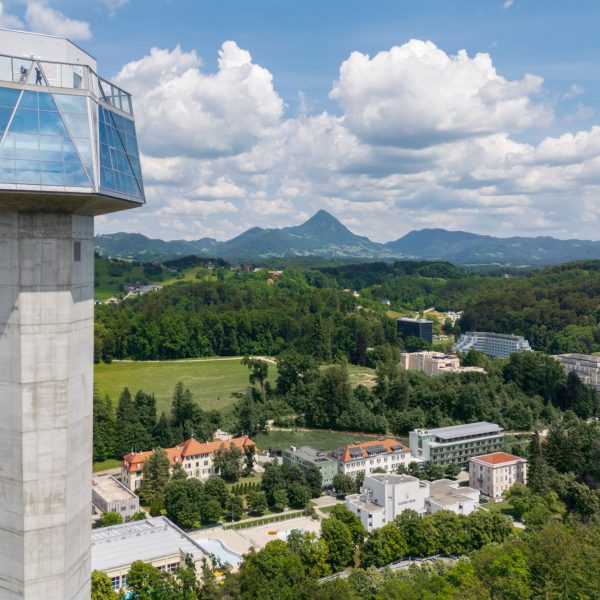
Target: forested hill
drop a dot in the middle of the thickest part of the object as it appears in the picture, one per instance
(222, 312)
(324, 236)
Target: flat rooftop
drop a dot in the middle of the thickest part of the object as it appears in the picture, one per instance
(459, 431)
(491, 334)
(446, 492)
(411, 320)
(312, 454)
(153, 539)
(392, 479)
(497, 458)
(355, 500)
(110, 489)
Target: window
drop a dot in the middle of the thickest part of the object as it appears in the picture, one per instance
(172, 568)
(115, 583)
(77, 251)
(124, 581)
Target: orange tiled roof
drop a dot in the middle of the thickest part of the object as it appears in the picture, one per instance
(345, 456)
(497, 458)
(190, 447)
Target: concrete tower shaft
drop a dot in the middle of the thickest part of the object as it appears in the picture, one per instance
(68, 151)
(46, 381)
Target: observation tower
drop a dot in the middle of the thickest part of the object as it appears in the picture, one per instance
(68, 152)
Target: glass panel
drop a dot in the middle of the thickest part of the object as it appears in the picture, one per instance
(52, 73)
(7, 149)
(4, 118)
(71, 104)
(9, 97)
(51, 148)
(72, 76)
(28, 171)
(27, 146)
(7, 171)
(21, 70)
(84, 149)
(46, 102)
(25, 121)
(52, 173)
(51, 123)
(70, 154)
(5, 68)
(29, 100)
(75, 175)
(77, 125)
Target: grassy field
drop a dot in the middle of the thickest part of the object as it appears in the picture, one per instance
(104, 465)
(321, 439)
(361, 376)
(212, 381)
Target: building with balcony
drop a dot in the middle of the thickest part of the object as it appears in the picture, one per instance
(455, 444)
(306, 457)
(419, 328)
(498, 345)
(197, 458)
(366, 457)
(68, 152)
(385, 496)
(585, 366)
(110, 495)
(434, 363)
(494, 474)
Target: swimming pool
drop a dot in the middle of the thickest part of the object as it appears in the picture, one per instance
(217, 548)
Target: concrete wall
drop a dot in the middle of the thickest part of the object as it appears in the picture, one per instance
(46, 362)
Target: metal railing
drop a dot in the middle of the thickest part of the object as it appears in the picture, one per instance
(34, 71)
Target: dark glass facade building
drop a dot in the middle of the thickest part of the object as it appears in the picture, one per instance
(419, 328)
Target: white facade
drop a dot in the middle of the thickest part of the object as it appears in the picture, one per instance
(445, 494)
(383, 497)
(110, 495)
(586, 366)
(493, 344)
(496, 473)
(366, 457)
(434, 363)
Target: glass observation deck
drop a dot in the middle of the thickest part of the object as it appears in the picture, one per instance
(65, 130)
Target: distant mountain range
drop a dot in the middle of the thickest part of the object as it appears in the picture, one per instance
(324, 236)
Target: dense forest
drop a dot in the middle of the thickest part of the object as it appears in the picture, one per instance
(307, 310)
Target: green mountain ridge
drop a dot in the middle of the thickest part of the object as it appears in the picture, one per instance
(325, 237)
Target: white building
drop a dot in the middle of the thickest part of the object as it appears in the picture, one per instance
(493, 344)
(365, 457)
(434, 363)
(110, 495)
(586, 366)
(156, 541)
(385, 496)
(493, 474)
(455, 444)
(445, 494)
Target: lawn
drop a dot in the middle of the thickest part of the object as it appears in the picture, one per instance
(321, 439)
(212, 381)
(105, 465)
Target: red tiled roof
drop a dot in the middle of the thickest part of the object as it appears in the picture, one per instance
(190, 447)
(345, 456)
(497, 458)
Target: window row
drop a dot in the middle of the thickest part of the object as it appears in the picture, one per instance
(32, 172)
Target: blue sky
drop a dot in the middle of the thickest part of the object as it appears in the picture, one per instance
(288, 122)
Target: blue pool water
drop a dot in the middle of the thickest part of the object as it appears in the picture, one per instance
(217, 548)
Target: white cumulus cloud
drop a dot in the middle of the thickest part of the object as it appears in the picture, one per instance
(8, 20)
(42, 18)
(181, 110)
(416, 95)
